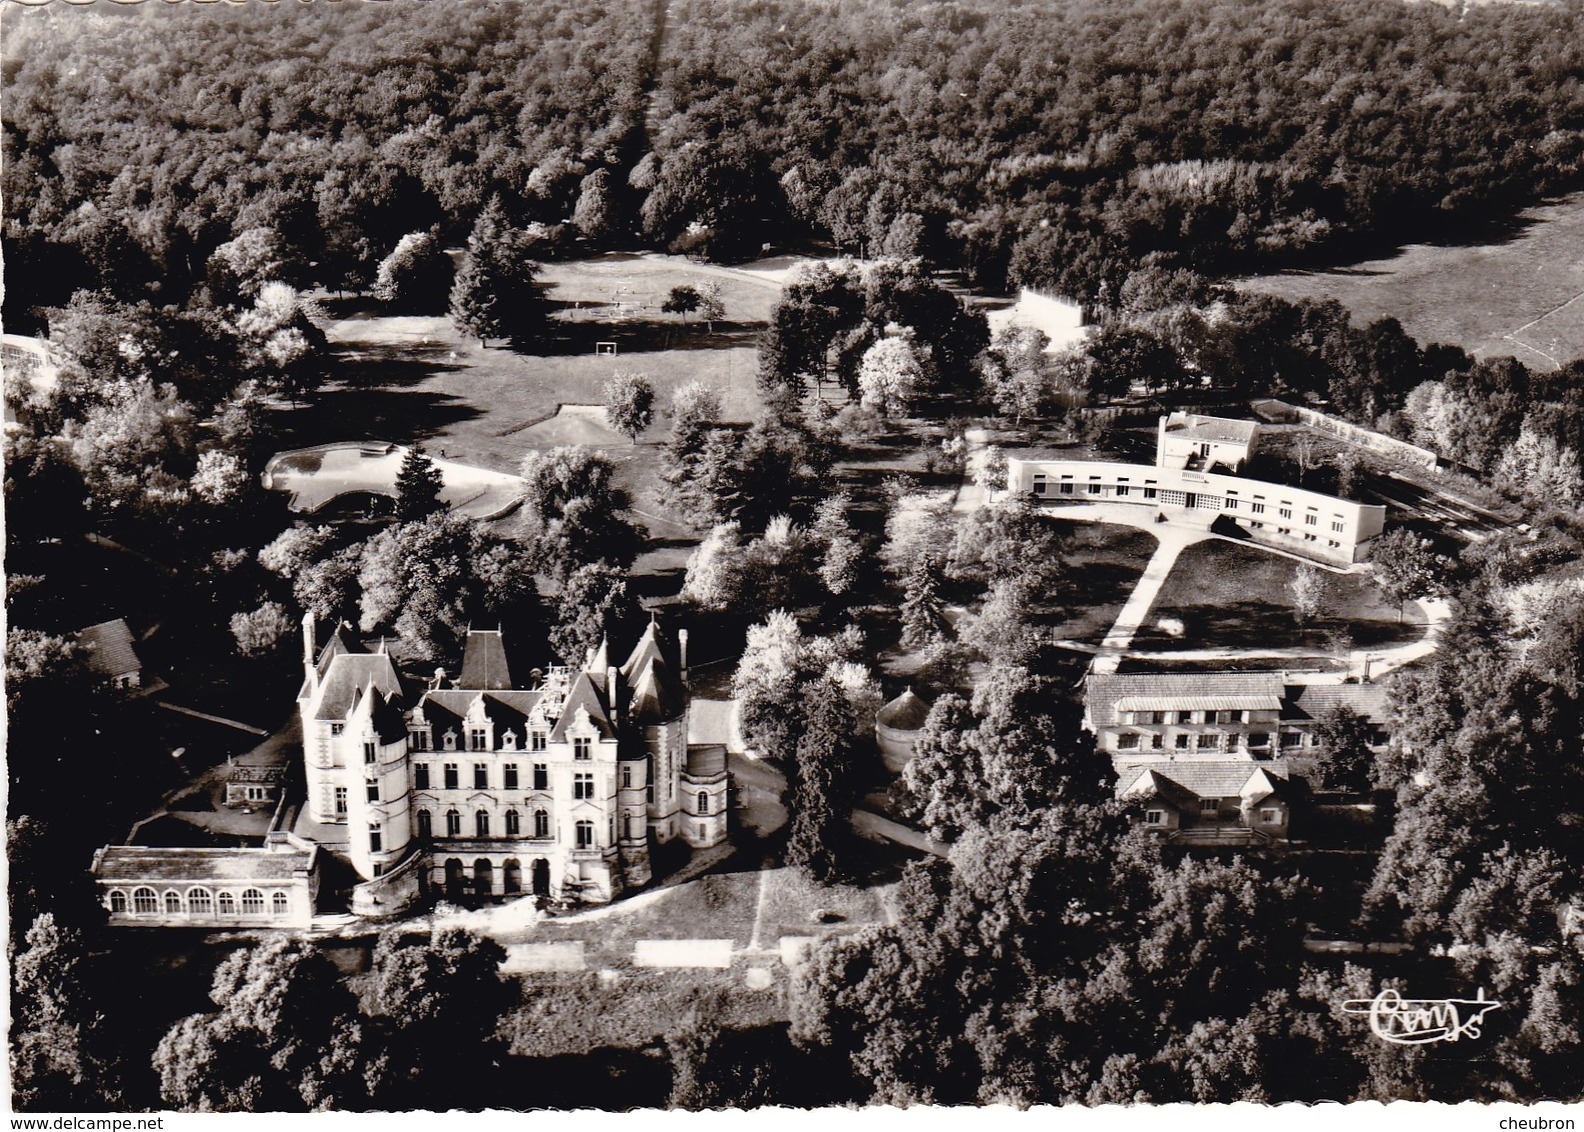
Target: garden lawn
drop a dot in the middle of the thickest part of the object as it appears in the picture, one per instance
(412, 379)
(1229, 595)
(1105, 562)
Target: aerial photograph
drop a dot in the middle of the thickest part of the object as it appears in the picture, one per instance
(793, 554)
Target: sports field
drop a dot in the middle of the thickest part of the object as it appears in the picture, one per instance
(1521, 296)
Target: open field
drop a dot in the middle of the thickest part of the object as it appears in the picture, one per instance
(1233, 596)
(411, 379)
(1522, 296)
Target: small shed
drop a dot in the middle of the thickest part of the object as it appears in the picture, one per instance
(111, 653)
(897, 727)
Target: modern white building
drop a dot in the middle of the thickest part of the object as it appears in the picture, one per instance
(1193, 442)
(1318, 526)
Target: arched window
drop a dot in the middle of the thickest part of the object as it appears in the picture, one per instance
(424, 824)
(541, 824)
(227, 904)
(453, 824)
(173, 903)
(200, 902)
(279, 904)
(144, 900)
(118, 900)
(703, 802)
(481, 823)
(513, 823)
(252, 902)
(585, 835)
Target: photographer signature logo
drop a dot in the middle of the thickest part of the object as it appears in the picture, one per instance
(1418, 1021)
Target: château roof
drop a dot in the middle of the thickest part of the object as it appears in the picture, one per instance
(348, 677)
(1314, 701)
(705, 760)
(582, 695)
(657, 696)
(658, 692)
(484, 664)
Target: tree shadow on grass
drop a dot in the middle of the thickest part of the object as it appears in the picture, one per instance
(349, 413)
(393, 365)
(641, 336)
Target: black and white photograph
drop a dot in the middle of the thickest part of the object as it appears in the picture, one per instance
(975, 557)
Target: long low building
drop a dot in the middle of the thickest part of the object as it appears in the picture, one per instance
(1247, 715)
(1305, 522)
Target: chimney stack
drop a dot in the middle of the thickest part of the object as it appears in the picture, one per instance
(309, 648)
(611, 697)
(682, 638)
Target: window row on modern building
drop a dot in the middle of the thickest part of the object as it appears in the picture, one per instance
(1320, 526)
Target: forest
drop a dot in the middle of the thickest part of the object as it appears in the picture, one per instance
(1039, 144)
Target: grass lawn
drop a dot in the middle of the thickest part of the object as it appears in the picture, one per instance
(1234, 596)
(1105, 562)
(414, 378)
(573, 1012)
(1527, 286)
(616, 1004)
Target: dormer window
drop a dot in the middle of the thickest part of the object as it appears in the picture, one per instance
(539, 740)
(478, 739)
(582, 747)
(337, 728)
(370, 751)
(450, 740)
(509, 741)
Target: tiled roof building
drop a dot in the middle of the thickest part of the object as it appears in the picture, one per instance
(468, 790)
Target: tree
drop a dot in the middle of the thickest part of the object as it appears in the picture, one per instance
(682, 300)
(1405, 568)
(712, 307)
(991, 472)
(56, 1038)
(1016, 373)
(714, 569)
(822, 790)
(1308, 589)
(418, 487)
(495, 293)
(1001, 631)
(595, 215)
(595, 604)
(1346, 761)
(923, 612)
(571, 512)
(220, 479)
(440, 999)
(890, 376)
(426, 580)
(629, 403)
(417, 274)
(328, 588)
(260, 631)
(295, 549)
(841, 552)
(477, 309)
(287, 1036)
